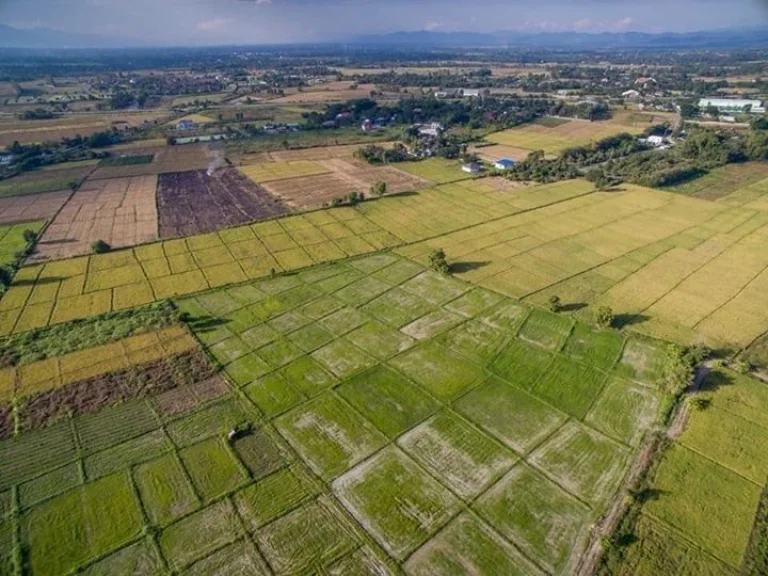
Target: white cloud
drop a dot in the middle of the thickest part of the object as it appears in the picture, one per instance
(433, 25)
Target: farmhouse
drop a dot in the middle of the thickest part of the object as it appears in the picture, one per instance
(186, 125)
(470, 93)
(733, 105)
(631, 94)
(655, 141)
(433, 130)
(504, 164)
(471, 168)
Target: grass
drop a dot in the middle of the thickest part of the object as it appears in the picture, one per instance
(400, 529)
(624, 410)
(132, 451)
(437, 170)
(260, 453)
(213, 420)
(164, 489)
(270, 498)
(723, 181)
(569, 386)
(521, 364)
(464, 458)
(137, 557)
(213, 468)
(270, 171)
(546, 330)
(695, 494)
(598, 348)
(21, 187)
(387, 400)
(642, 360)
(582, 461)
(128, 160)
(48, 485)
(540, 518)
(330, 437)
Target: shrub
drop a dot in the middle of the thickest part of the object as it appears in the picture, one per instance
(100, 247)
(29, 236)
(379, 189)
(554, 304)
(438, 261)
(604, 317)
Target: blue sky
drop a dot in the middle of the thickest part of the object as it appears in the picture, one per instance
(275, 21)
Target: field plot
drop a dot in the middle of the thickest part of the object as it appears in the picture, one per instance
(318, 153)
(435, 170)
(120, 211)
(333, 92)
(713, 475)
(305, 183)
(166, 159)
(43, 181)
(12, 240)
(196, 203)
(496, 152)
(32, 207)
(672, 267)
(555, 139)
(724, 181)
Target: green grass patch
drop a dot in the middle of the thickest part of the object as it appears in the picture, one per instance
(140, 559)
(311, 337)
(67, 531)
(375, 493)
(246, 369)
(432, 324)
(127, 160)
(164, 489)
(397, 307)
(261, 453)
(507, 316)
(329, 435)
(216, 419)
(437, 170)
(114, 425)
(521, 364)
(212, 467)
(624, 411)
(516, 418)
(311, 536)
(435, 288)
(540, 518)
(238, 558)
(468, 542)
(343, 359)
(438, 370)
(695, 494)
(361, 291)
(380, 340)
(279, 353)
(308, 376)
(273, 394)
(476, 340)
(343, 321)
(582, 461)
(198, 535)
(598, 348)
(48, 485)
(272, 496)
(474, 302)
(30, 455)
(133, 451)
(461, 456)
(642, 360)
(388, 400)
(570, 386)
(546, 329)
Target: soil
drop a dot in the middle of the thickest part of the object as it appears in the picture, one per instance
(183, 400)
(92, 394)
(195, 203)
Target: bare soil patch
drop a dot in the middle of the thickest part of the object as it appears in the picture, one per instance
(498, 151)
(32, 207)
(120, 211)
(92, 394)
(195, 203)
(185, 399)
(166, 159)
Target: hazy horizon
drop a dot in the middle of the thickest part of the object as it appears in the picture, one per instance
(209, 22)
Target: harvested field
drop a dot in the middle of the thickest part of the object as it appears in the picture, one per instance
(196, 203)
(721, 182)
(318, 153)
(555, 139)
(496, 152)
(32, 207)
(120, 211)
(166, 159)
(270, 171)
(338, 92)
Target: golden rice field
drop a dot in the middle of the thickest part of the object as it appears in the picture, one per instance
(553, 140)
(669, 266)
(81, 287)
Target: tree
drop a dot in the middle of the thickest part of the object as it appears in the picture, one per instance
(604, 317)
(554, 304)
(6, 275)
(379, 188)
(100, 247)
(29, 236)
(438, 261)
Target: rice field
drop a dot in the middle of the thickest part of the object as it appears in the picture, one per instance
(381, 439)
(12, 242)
(713, 475)
(555, 139)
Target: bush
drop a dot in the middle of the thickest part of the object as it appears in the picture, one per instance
(100, 247)
(604, 317)
(438, 261)
(379, 189)
(554, 304)
(679, 366)
(29, 236)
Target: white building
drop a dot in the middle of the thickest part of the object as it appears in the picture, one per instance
(470, 93)
(631, 94)
(732, 105)
(655, 141)
(471, 168)
(433, 130)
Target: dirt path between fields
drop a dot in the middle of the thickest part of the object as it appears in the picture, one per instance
(607, 525)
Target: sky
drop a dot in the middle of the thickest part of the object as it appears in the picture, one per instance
(208, 22)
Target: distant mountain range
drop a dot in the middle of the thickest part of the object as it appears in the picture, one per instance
(573, 40)
(49, 38)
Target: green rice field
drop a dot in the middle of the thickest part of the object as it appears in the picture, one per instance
(379, 441)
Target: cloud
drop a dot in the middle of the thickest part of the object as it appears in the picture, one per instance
(213, 25)
(433, 25)
(624, 23)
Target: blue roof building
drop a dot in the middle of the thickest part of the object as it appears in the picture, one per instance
(504, 164)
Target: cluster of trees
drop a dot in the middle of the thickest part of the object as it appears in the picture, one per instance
(610, 148)
(537, 168)
(37, 114)
(702, 150)
(378, 155)
(470, 112)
